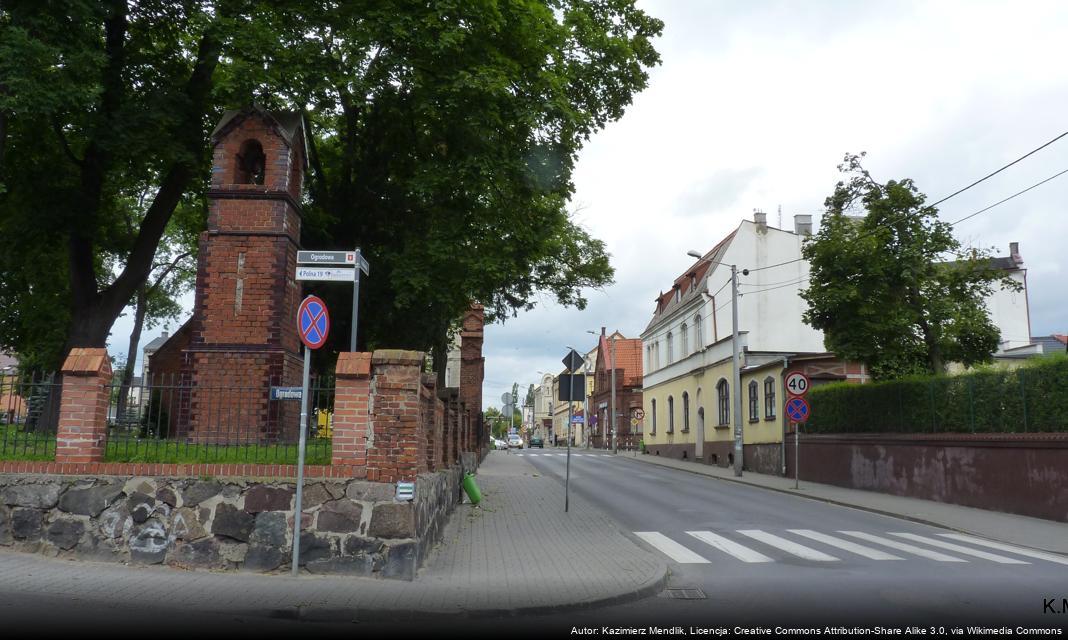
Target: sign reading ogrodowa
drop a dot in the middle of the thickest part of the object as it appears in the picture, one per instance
(286, 393)
(326, 257)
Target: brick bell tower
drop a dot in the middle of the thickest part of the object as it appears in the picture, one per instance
(244, 334)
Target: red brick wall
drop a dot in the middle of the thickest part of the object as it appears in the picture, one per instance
(83, 408)
(472, 373)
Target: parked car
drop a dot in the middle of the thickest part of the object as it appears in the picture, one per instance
(515, 442)
(499, 444)
(536, 441)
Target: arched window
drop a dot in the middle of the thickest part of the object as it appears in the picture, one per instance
(685, 412)
(698, 337)
(769, 398)
(670, 339)
(684, 334)
(723, 394)
(251, 164)
(652, 427)
(754, 401)
(671, 415)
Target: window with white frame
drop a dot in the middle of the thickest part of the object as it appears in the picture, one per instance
(670, 339)
(723, 395)
(769, 398)
(684, 336)
(698, 337)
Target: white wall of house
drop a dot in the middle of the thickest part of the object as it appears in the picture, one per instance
(1008, 309)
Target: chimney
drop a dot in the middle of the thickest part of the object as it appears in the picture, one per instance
(761, 220)
(165, 335)
(1014, 252)
(602, 331)
(803, 224)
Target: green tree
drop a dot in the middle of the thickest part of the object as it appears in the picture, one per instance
(890, 285)
(443, 138)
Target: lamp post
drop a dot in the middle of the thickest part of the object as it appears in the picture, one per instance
(737, 372)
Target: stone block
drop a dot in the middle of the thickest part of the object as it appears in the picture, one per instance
(26, 524)
(401, 561)
(90, 501)
(356, 545)
(233, 551)
(264, 498)
(340, 516)
(148, 543)
(186, 525)
(65, 534)
(370, 491)
(140, 506)
(35, 496)
(5, 526)
(313, 496)
(233, 523)
(200, 554)
(262, 558)
(313, 547)
(114, 522)
(349, 566)
(392, 521)
(200, 491)
(97, 550)
(167, 496)
(270, 529)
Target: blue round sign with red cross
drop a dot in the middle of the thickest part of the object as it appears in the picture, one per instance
(313, 322)
(797, 409)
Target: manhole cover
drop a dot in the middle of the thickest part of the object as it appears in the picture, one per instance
(686, 593)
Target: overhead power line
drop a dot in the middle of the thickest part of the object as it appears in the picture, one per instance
(1018, 193)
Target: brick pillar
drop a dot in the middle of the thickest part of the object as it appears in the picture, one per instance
(396, 449)
(83, 408)
(472, 371)
(352, 416)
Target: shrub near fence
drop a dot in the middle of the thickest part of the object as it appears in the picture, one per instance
(1031, 399)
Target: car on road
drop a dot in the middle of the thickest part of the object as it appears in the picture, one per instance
(515, 442)
(499, 444)
(536, 441)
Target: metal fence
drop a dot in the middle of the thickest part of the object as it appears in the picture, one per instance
(29, 415)
(166, 419)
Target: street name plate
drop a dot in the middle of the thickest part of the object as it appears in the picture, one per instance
(333, 274)
(326, 257)
(286, 393)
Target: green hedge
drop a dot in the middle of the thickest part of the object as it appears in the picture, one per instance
(1033, 398)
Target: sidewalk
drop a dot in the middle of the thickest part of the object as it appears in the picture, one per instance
(994, 525)
(518, 552)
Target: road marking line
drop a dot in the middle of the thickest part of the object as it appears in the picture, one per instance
(1030, 553)
(788, 546)
(670, 548)
(730, 547)
(845, 545)
(901, 546)
(993, 557)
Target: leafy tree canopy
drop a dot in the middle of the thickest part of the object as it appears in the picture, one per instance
(443, 134)
(890, 285)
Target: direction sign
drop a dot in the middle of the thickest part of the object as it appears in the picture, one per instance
(573, 361)
(797, 409)
(286, 393)
(797, 384)
(576, 419)
(313, 322)
(326, 257)
(333, 274)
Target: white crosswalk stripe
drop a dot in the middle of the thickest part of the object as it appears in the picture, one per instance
(799, 550)
(993, 557)
(901, 546)
(670, 548)
(730, 547)
(846, 545)
(1030, 553)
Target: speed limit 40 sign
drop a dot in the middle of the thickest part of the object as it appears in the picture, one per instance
(797, 384)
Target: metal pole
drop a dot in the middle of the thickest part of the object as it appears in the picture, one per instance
(737, 374)
(355, 301)
(570, 405)
(585, 408)
(612, 420)
(797, 455)
(300, 459)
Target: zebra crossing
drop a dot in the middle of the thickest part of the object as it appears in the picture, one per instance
(759, 546)
(561, 455)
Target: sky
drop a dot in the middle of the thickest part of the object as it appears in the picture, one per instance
(755, 104)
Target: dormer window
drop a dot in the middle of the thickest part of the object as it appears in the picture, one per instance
(251, 165)
(678, 293)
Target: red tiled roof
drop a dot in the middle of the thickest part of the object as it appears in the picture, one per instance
(1063, 339)
(628, 358)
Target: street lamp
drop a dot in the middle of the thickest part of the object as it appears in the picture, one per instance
(612, 404)
(737, 373)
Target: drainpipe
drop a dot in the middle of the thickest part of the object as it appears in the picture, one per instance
(782, 418)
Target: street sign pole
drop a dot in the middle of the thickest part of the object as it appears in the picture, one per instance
(797, 455)
(567, 475)
(361, 265)
(300, 459)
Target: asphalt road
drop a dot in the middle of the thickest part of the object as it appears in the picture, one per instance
(758, 557)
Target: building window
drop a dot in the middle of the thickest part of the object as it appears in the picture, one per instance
(723, 393)
(671, 415)
(656, 354)
(652, 427)
(251, 163)
(769, 398)
(685, 412)
(698, 337)
(670, 339)
(754, 401)
(685, 337)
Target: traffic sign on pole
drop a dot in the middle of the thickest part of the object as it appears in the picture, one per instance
(797, 384)
(313, 322)
(797, 409)
(328, 274)
(326, 257)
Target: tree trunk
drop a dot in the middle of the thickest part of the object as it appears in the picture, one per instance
(131, 352)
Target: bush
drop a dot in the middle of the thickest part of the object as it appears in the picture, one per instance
(1033, 398)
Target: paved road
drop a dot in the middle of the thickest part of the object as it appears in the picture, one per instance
(750, 556)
